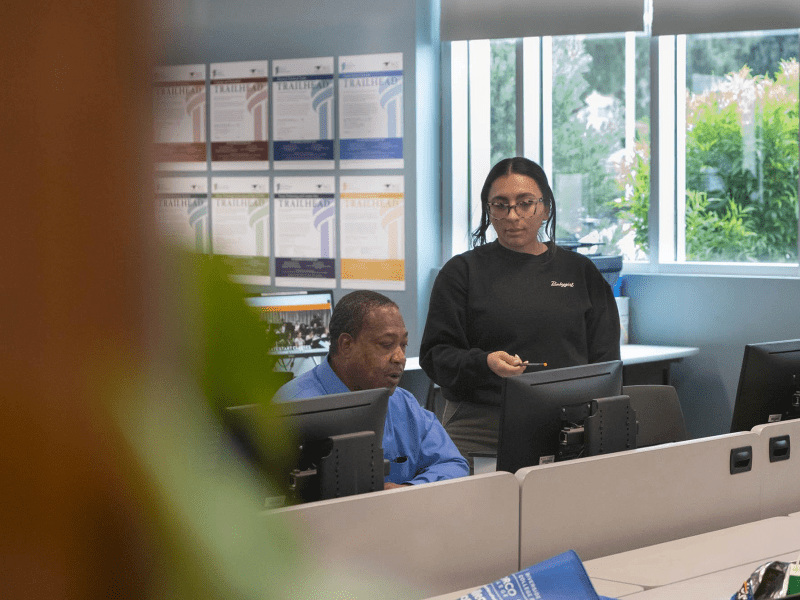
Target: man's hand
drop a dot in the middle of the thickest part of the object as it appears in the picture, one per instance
(505, 365)
(388, 485)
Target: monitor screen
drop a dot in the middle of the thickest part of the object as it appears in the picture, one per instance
(531, 411)
(300, 320)
(768, 385)
(339, 439)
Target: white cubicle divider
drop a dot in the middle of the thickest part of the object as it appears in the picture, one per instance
(780, 490)
(434, 538)
(608, 504)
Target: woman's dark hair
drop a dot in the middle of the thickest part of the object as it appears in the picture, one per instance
(521, 166)
(349, 314)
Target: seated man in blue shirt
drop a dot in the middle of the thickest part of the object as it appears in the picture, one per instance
(368, 344)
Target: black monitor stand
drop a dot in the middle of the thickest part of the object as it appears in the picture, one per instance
(600, 426)
(341, 465)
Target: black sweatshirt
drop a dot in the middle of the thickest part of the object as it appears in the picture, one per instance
(548, 308)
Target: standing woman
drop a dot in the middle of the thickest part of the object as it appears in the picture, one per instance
(510, 302)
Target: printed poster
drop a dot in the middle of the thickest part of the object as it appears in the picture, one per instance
(239, 115)
(302, 113)
(305, 231)
(373, 232)
(179, 117)
(240, 226)
(371, 111)
(182, 211)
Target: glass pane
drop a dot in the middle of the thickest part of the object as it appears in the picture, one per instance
(600, 180)
(742, 147)
(503, 100)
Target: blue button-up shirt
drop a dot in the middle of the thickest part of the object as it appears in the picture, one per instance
(410, 432)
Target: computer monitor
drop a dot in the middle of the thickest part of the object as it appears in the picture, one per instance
(299, 320)
(537, 408)
(338, 438)
(768, 385)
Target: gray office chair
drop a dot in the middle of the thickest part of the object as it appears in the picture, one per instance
(658, 412)
(435, 401)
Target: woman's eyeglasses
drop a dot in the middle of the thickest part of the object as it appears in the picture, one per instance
(524, 210)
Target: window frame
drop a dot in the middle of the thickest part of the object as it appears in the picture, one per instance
(534, 140)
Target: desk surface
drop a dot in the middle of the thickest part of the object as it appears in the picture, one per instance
(700, 555)
(632, 354)
(721, 585)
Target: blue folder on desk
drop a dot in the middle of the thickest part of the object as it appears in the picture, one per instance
(559, 578)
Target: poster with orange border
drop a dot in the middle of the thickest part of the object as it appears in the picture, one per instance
(372, 232)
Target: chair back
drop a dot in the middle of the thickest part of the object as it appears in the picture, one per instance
(658, 412)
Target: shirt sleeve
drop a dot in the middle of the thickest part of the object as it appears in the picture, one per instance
(445, 352)
(602, 325)
(436, 457)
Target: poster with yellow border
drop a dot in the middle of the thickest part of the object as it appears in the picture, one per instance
(240, 226)
(182, 211)
(372, 232)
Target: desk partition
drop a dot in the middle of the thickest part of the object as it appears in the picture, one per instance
(780, 474)
(436, 537)
(609, 504)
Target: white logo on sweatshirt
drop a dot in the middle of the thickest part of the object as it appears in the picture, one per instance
(561, 284)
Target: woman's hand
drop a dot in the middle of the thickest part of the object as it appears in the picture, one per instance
(505, 365)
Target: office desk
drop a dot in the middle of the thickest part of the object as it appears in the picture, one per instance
(631, 354)
(641, 365)
(648, 365)
(700, 555)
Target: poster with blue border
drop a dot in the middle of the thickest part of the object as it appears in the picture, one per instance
(371, 111)
(302, 113)
(305, 231)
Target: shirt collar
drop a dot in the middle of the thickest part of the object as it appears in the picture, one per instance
(330, 381)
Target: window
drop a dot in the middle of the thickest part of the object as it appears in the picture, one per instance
(723, 159)
(741, 150)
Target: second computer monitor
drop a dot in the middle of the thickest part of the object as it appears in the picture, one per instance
(531, 413)
(769, 385)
